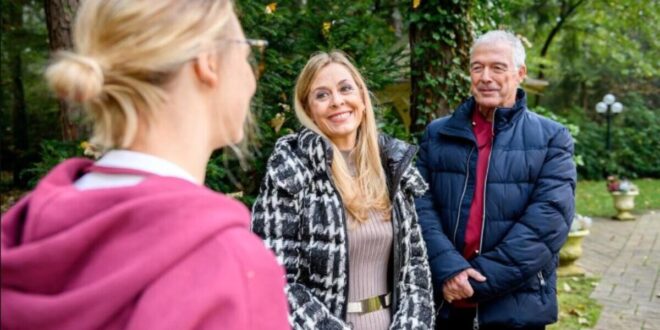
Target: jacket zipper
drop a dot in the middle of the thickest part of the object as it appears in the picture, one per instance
(467, 177)
(437, 312)
(541, 279)
(458, 213)
(475, 325)
(542, 283)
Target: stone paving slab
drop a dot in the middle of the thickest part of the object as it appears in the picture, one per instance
(626, 255)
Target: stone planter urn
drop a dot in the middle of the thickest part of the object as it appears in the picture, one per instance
(570, 253)
(624, 202)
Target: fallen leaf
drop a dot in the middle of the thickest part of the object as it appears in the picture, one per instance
(582, 320)
(277, 122)
(326, 27)
(575, 312)
(270, 8)
(567, 288)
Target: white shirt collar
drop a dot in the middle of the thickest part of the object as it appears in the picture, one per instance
(144, 162)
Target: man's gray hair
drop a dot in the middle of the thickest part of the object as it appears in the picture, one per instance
(501, 36)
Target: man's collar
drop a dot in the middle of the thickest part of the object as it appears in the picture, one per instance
(460, 122)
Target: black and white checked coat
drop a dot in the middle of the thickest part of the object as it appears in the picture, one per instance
(300, 216)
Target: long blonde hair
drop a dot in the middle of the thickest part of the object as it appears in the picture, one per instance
(368, 189)
(125, 51)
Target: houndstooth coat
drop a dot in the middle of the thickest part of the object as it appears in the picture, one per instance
(300, 216)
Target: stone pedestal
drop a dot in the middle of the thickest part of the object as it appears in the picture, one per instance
(624, 203)
(570, 253)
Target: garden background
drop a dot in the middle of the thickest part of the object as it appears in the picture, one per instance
(414, 55)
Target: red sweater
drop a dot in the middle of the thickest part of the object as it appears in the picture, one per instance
(162, 254)
(483, 131)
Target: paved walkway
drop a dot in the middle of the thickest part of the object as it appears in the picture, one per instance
(626, 255)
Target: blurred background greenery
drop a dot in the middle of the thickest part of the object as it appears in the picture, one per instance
(414, 56)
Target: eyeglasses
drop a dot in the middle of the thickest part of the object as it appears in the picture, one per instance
(257, 58)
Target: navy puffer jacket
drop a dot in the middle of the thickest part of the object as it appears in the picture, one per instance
(529, 206)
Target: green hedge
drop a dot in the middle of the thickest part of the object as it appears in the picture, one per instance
(635, 142)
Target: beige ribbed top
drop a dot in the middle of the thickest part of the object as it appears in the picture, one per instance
(369, 244)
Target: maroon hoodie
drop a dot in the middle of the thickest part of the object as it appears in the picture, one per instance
(163, 254)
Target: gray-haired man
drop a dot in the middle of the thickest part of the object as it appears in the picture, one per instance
(501, 199)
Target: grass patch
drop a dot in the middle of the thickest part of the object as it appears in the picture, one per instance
(593, 199)
(576, 309)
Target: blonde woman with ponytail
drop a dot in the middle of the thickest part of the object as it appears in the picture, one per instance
(336, 207)
(134, 240)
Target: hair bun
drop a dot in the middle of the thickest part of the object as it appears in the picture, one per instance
(75, 77)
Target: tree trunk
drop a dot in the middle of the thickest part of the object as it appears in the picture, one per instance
(440, 43)
(59, 19)
(19, 108)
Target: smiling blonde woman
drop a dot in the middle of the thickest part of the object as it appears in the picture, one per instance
(336, 206)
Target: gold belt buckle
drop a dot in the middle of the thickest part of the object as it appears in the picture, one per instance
(370, 304)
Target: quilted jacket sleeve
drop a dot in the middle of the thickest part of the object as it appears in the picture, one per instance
(542, 229)
(275, 218)
(415, 289)
(444, 258)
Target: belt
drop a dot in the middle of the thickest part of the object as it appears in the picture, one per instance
(370, 304)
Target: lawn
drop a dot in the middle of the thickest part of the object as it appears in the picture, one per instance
(593, 199)
(576, 309)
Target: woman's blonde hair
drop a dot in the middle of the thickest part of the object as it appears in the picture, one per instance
(368, 189)
(125, 51)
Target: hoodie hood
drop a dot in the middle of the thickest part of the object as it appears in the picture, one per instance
(79, 258)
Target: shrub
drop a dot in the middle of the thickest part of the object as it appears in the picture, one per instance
(635, 142)
(52, 153)
(572, 128)
(294, 32)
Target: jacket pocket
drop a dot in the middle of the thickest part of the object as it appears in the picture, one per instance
(542, 286)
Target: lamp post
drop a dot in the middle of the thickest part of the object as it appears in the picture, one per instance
(609, 108)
